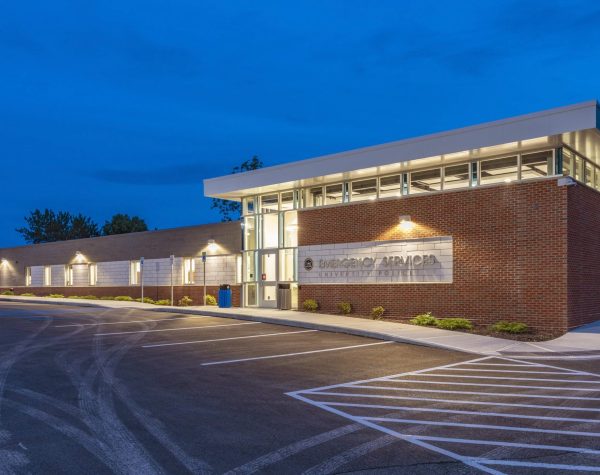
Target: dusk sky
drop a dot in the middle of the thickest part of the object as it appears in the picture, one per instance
(126, 106)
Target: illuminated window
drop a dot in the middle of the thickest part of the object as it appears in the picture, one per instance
(287, 265)
(269, 203)
(334, 194)
(535, 165)
(390, 186)
(249, 266)
(189, 267)
(250, 232)
(425, 181)
(68, 275)
(248, 206)
(47, 275)
(28, 276)
(287, 200)
(364, 190)
(135, 270)
(290, 229)
(93, 274)
(456, 176)
(315, 197)
(499, 170)
(270, 230)
(588, 174)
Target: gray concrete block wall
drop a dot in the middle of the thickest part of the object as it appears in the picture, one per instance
(113, 274)
(81, 275)
(58, 276)
(37, 276)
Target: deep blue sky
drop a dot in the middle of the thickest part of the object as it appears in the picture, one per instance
(125, 106)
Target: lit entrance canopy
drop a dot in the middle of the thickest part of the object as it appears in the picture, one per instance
(575, 125)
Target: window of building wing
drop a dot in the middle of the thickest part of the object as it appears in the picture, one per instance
(390, 186)
(535, 165)
(334, 194)
(287, 200)
(315, 197)
(248, 205)
(425, 181)
(189, 268)
(363, 190)
(250, 232)
(499, 170)
(269, 203)
(456, 176)
(93, 274)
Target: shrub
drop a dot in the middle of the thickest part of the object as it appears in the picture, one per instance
(27, 294)
(146, 300)
(89, 297)
(74, 297)
(510, 327)
(454, 324)
(310, 305)
(7, 292)
(162, 302)
(56, 296)
(107, 297)
(123, 298)
(377, 312)
(185, 301)
(210, 300)
(424, 320)
(345, 307)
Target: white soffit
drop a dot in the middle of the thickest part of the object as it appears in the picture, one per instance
(489, 137)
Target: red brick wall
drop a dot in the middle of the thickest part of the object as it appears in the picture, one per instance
(584, 255)
(509, 253)
(195, 292)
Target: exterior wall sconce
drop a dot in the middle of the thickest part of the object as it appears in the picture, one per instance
(212, 245)
(79, 256)
(4, 262)
(406, 223)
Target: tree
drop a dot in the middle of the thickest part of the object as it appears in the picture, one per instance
(50, 226)
(123, 224)
(231, 210)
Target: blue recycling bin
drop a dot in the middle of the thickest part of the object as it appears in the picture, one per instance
(225, 296)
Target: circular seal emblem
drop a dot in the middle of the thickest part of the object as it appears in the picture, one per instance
(308, 263)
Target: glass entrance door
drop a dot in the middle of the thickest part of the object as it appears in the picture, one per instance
(268, 279)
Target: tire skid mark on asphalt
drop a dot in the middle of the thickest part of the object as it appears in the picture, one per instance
(294, 448)
(430, 432)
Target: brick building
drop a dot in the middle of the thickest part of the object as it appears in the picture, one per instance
(499, 221)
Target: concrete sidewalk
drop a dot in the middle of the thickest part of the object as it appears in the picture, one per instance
(582, 343)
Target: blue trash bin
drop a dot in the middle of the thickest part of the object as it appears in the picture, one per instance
(224, 296)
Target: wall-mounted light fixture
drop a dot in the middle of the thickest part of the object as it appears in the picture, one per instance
(212, 245)
(79, 256)
(3, 262)
(406, 223)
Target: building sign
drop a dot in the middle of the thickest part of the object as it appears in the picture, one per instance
(408, 261)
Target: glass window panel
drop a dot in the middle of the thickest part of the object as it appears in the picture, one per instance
(287, 200)
(269, 293)
(134, 272)
(589, 174)
(425, 181)
(364, 190)
(68, 275)
(568, 162)
(578, 171)
(597, 178)
(270, 230)
(390, 186)
(534, 165)
(287, 259)
(248, 205)
(250, 266)
(334, 194)
(47, 275)
(27, 276)
(269, 203)
(456, 176)
(93, 274)
(499, 170)
(189, 268)
(250, 232)
(290, 229)
(315, 197)
(251, 294)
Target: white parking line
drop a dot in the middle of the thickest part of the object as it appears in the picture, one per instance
(504, 378)
(560, 466)
(510, 371)
(117, 323)
(226, 339)
(178, 329)
(294, 354)
(490, 385)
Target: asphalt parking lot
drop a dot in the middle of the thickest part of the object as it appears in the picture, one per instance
(92, 390)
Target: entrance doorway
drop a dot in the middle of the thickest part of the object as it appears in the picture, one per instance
(268, 279)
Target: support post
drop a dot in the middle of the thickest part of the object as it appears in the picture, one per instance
(204, 276)
(172, 264)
